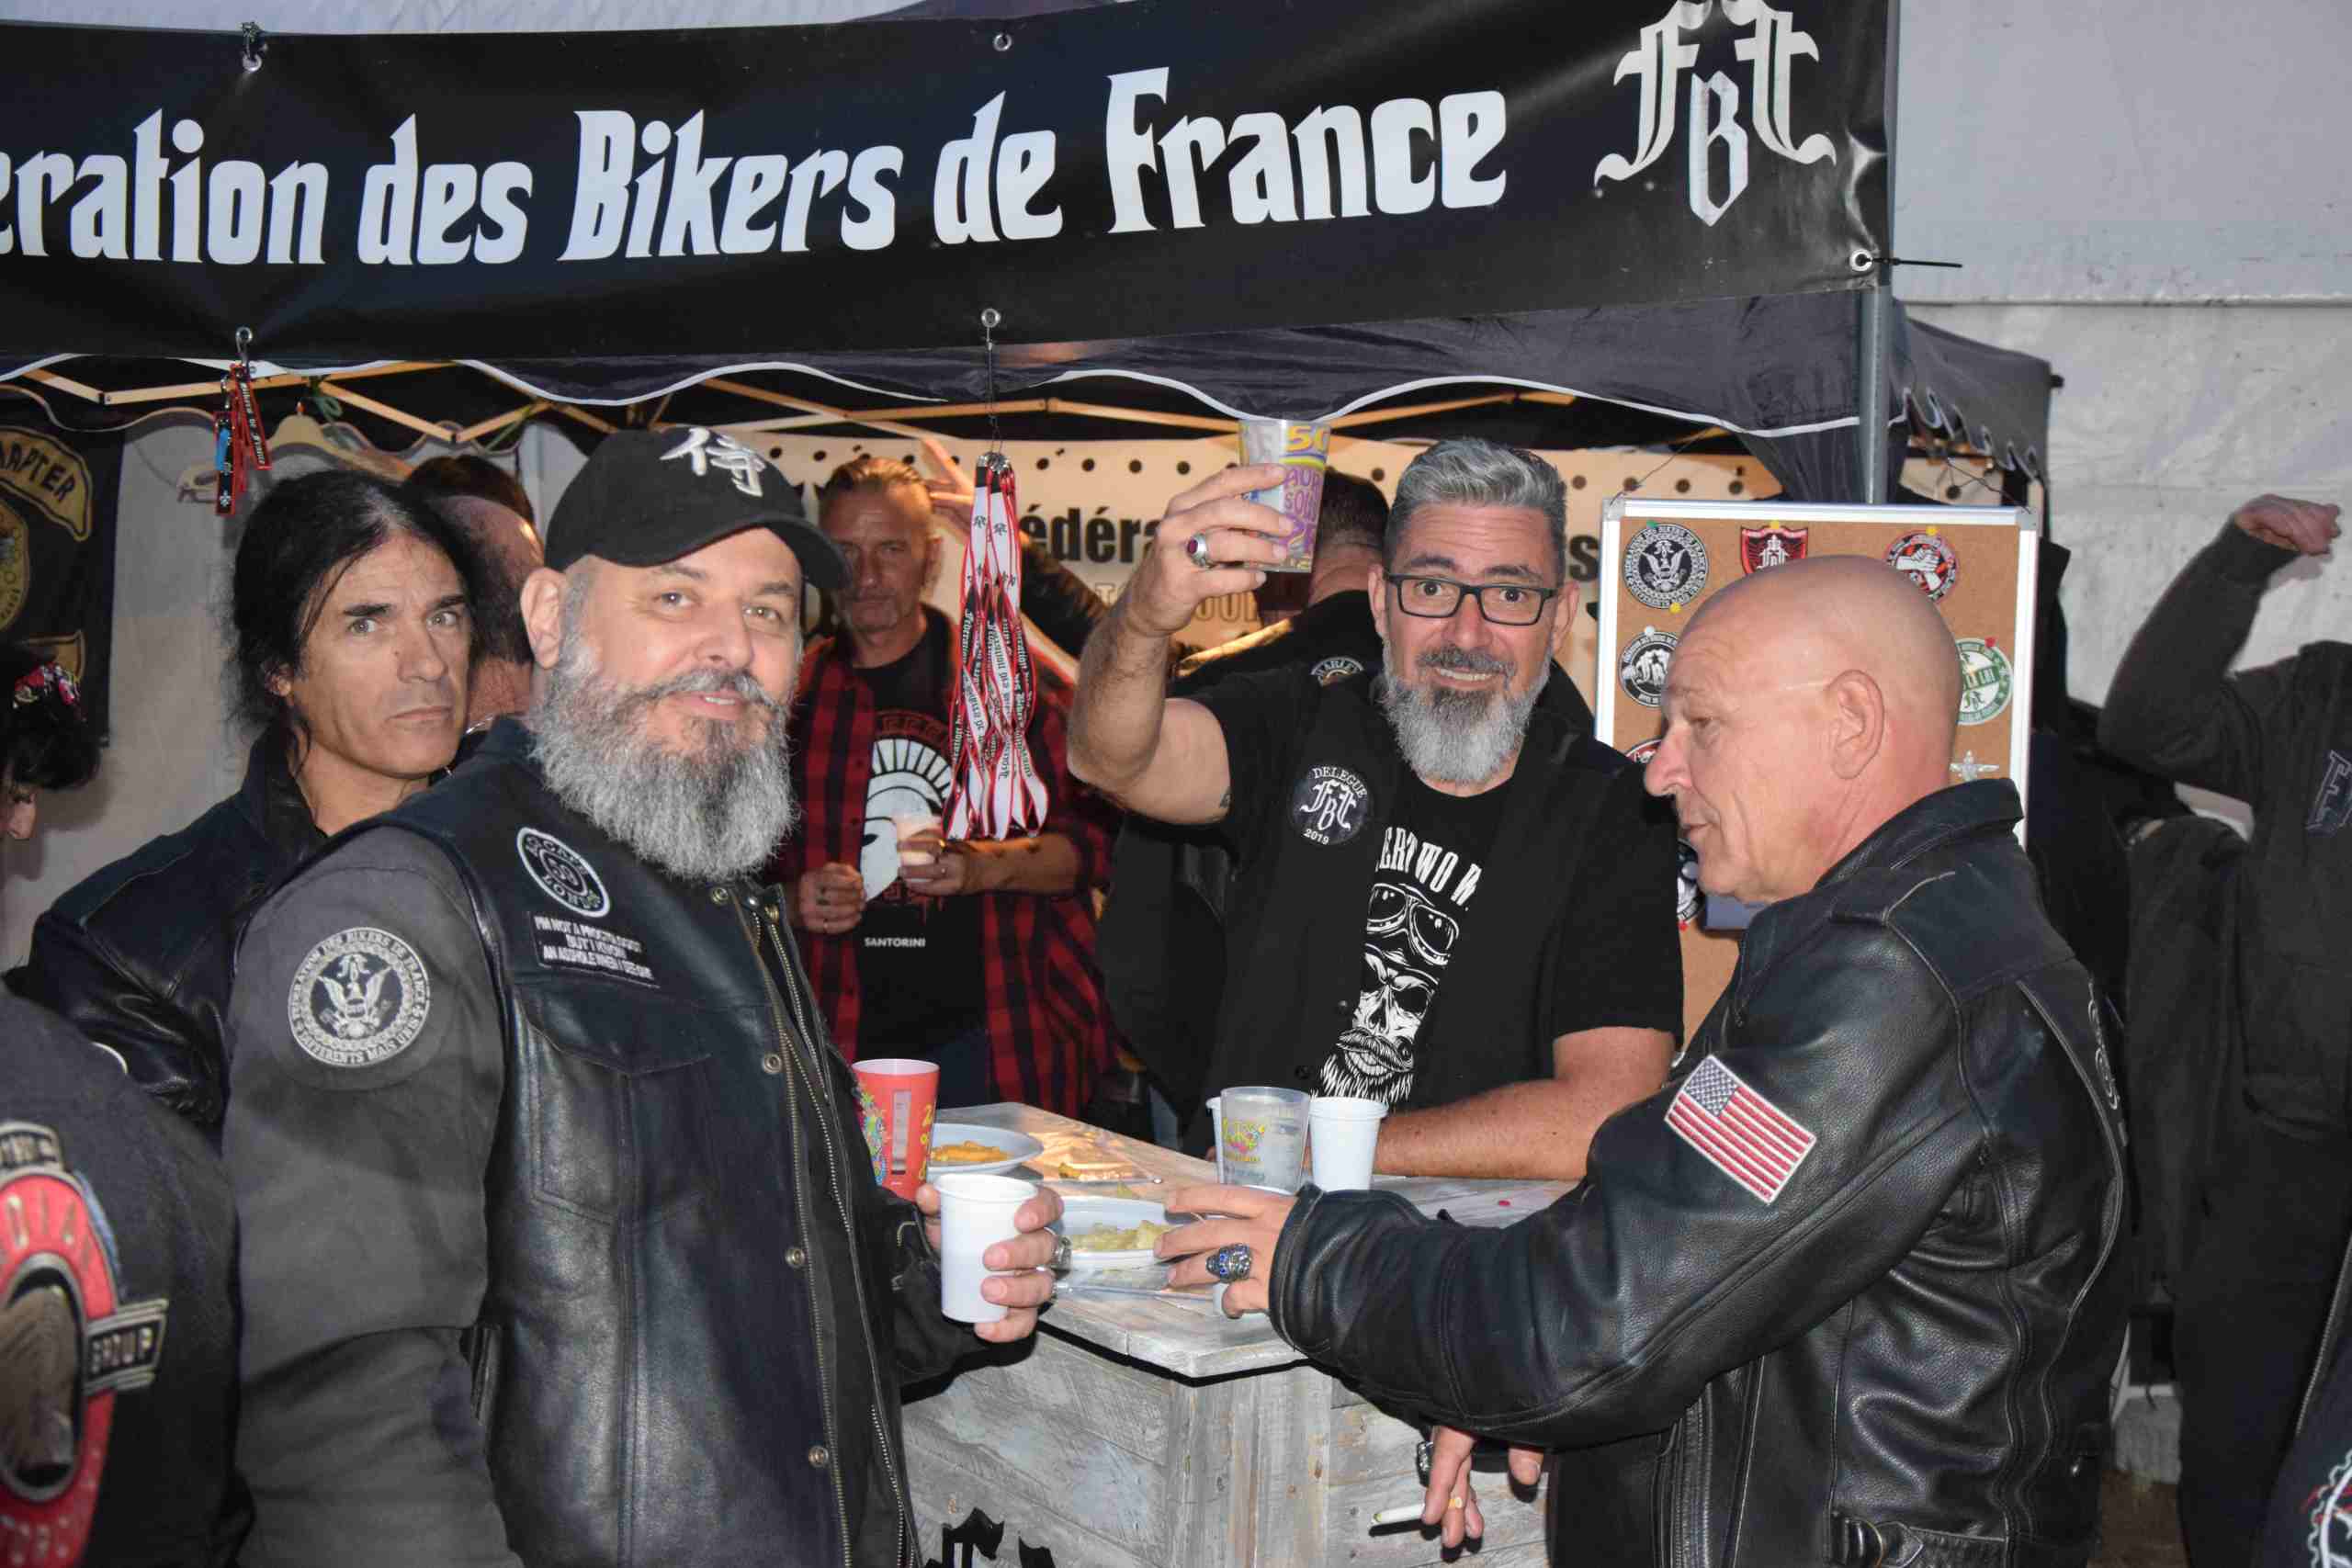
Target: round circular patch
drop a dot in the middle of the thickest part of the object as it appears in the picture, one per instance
(1986, 684)
(1666, 566)
(1641, 669)
(1640, 755)
(561, 872)
(1686, 898)
(1926, 561)
(1330, 805)
(359, 999)
(15, 564)
(1331, 670)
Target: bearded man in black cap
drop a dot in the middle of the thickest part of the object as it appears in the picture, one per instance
(559, 1239)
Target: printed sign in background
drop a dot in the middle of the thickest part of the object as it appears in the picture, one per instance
(1126, 171)
(57, 534)
(1987, 600)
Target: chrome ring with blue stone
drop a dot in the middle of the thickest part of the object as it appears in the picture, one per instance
(1231, 1264)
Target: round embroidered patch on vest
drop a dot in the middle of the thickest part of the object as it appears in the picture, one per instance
(1687, 898)
(562, 874)
(1338, 668)
(1666, 566)
(1330, 805)
(359, 999)
(1641, 669)
(1985, 684)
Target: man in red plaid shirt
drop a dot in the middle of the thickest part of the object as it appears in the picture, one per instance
(979, 956)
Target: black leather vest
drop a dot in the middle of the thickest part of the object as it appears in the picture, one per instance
(1294, 954)
(683, 1353)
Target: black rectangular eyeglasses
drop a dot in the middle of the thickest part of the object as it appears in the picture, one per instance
(1437, 598)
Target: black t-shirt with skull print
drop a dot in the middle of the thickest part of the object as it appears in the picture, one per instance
(1432, 857)
(1590, 940)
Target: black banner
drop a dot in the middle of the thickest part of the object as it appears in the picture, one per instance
(1167, 166)
(57, 530)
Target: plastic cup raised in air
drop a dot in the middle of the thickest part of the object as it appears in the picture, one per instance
(1304, 450)
(1261, 1137)
(975, 1214)
(1346, 1133)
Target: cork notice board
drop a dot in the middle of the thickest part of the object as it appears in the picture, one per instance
(1660, 560)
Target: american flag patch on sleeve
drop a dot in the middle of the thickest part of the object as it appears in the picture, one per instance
(1742, 1134)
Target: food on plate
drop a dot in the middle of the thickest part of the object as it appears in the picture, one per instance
(1111, 1238)
(971, 1151)
(1091, 1170)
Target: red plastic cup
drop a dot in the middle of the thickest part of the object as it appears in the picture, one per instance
(895, 1099)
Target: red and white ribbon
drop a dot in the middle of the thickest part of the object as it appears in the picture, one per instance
(996, 793)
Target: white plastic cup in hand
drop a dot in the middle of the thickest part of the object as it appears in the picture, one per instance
(1261, 1134)
(1345, 1132)
(910, 825)
(975, 1214)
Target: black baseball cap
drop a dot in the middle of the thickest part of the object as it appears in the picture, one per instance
(649, 496)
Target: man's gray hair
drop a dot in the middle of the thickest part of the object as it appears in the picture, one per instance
(1467, 472)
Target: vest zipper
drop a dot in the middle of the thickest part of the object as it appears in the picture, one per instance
(800, 1195)
(841, 1199)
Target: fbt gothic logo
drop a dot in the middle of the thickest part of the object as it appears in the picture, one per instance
(1772, 44)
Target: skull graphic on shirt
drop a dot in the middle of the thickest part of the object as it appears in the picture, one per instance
(1407, 941)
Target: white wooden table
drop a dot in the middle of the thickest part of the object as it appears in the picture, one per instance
(1139, 1433)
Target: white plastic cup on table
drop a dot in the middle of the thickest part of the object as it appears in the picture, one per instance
(1346, 1133)
(1216, 1134)
(1304, 450)
(1261, 1137)
(975, 1214)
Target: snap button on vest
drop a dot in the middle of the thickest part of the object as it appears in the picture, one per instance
(719, 895)
(771, 1063)
(795, 1257)
(818, 1456)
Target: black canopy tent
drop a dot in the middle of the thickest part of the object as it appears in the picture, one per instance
(1722, 282)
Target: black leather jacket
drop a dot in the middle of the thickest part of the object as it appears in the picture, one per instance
(1903, 1355)
(560, 1242)
(137, 955)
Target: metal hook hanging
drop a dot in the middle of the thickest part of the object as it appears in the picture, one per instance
(256, 44)
(990, 321)
(244, 345)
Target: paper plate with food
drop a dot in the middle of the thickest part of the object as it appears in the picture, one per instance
(967, 1148)
(1112, 1233)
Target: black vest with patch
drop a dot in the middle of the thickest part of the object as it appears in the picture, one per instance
(681, 1312)
(1294, 959)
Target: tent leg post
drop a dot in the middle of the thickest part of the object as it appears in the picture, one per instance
(1873, 325)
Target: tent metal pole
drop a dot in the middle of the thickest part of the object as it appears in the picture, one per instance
(1873, 318)
(1874, 311)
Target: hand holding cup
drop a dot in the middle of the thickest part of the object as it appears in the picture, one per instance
(1239, 538)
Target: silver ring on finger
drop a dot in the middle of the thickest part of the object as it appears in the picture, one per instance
(1196, 551)
(1060, 1263)
(1231, 1264)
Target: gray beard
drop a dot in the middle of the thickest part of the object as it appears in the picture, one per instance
(1451, 736)
(712, 813)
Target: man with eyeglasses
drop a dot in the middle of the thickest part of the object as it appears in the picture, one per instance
(1447, 896)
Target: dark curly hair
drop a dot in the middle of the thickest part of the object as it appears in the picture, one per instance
(45, 741)
(298, 543)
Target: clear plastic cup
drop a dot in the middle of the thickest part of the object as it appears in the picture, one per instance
(909, 824)
(1304, 450)
(1261, 1137)
(1216, 1133)
(975, 1214)
(1345, 1135)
